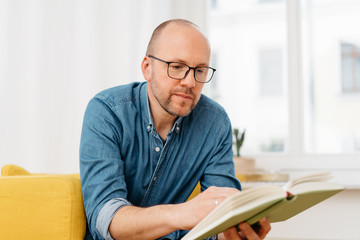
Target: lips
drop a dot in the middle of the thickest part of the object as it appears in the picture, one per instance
(183, 96)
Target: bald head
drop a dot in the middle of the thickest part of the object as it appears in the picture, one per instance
(153, 43)
(178, 41)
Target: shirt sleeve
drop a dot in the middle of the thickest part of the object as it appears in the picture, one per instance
(101, 167)
(220, 170)
(106, 214)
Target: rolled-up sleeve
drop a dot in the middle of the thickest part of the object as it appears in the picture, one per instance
(101, 167)
(106, 214)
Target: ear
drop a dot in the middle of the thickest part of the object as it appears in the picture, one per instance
(146, 68)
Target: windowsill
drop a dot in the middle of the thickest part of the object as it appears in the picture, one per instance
(348, 178)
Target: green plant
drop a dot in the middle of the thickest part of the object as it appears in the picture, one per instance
(239, 140)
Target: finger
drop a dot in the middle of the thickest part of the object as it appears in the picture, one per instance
(233, 234)
(216, 195)
(265, 227)
(226, 235)
(248, 232)
(221, 236)
(224, 191)
(242, 236)
(229, 191)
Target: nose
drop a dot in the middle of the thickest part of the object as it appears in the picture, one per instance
(189, 80)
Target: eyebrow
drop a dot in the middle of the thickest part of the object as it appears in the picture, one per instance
(182, 61)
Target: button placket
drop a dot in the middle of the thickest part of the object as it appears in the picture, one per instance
(159, 156)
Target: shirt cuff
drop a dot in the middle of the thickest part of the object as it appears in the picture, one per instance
(106, 214)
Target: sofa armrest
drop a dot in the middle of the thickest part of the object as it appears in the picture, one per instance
(41, 207)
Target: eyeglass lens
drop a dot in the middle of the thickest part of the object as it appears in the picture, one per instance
(180, 71)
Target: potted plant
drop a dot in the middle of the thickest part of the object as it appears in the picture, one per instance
(243, 165)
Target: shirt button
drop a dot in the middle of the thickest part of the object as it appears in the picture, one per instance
(177, 128)
(157, 149)
(154, 179)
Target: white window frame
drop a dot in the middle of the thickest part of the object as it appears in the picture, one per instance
(295, 156)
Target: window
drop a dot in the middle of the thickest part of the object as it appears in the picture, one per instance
(213, 3)
(211, 89)
(271, 71)
(285, 72)
(269, 1)
(250, 71)
(333, 107)
(350, 67)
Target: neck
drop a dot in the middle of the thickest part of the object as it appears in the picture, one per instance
(163, 121)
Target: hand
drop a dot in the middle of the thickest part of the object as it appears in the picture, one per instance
(197, 208)
(247, 232)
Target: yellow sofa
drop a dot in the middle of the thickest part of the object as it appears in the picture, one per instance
(40, 206)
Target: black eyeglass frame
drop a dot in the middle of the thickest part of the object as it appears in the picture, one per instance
(187, 72)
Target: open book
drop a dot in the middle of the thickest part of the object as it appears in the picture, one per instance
(275, 202)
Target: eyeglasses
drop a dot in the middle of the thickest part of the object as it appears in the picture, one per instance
(179, 71)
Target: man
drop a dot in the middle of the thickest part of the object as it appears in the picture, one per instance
(145, 146)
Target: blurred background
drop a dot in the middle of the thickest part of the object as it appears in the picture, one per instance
(288, 72)
(55, 56)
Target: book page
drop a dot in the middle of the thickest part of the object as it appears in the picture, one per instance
(309, 187)
(316, 177)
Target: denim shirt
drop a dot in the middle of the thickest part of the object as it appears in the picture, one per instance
(124, 161)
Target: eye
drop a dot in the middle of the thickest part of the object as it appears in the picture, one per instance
(201, 70)
(177, 66)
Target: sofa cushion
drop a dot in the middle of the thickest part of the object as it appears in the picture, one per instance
(41, 207)
(13, 170)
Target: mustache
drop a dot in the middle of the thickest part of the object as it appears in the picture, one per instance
(184, 91)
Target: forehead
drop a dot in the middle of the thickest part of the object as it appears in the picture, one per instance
(184, 42)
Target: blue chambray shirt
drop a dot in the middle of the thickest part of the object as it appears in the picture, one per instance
(124, 161)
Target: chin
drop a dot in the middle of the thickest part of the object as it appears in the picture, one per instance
(183, 112)
(180, 110)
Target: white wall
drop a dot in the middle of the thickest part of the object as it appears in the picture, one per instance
(335, 218)
(55, 55)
